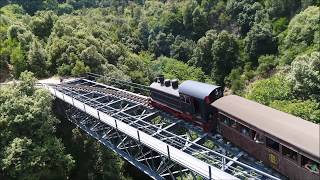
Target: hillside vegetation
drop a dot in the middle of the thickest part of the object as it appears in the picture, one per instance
(264, 50)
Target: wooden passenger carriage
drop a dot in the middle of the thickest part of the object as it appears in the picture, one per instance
(287, 143)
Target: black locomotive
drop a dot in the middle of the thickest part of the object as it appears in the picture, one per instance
(190, 100)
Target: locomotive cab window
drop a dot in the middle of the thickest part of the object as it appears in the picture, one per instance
(289, 153)
(310, 165)
(272, 144)
(185, 99)
(188, 100)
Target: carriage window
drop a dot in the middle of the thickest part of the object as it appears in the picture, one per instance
(245, 130)
(228, 121)
(289, 153)
(233, 123)
(225, 120)
(310, 165)
(257, 137)
(272, 144)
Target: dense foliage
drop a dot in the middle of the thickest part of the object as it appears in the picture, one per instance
(29, 148)
(266, 50)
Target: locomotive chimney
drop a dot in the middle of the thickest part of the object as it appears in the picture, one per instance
(174, 83)
(161, 78)
(167, 82)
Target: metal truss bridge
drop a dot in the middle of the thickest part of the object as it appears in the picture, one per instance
(160, 145)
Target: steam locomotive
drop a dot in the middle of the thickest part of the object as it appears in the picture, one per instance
(287, 143)
(190, 100)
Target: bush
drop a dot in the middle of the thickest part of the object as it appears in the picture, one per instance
(266, 65)
(267, 90)
(308, 110)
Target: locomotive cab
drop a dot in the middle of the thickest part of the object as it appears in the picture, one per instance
(196, 98)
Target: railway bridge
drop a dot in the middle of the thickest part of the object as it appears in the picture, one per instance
(160, 145)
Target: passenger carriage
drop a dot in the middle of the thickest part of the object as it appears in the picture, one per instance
(287, 143)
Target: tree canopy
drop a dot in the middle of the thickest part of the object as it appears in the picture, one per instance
(29, 148)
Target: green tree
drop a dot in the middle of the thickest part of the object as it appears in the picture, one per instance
(95, 161)
(244, 13)
(305, 76)
(267, 64)
(280, 25)
(42, 23)
(235, 81)
(301, 35)
(172, 22)
(268, 90)
(187, 14)
(12, 54)
(13, 11)
(92, 58)
(260, 41)
(18, 60)
(20, 34)
(199, 23)
(202, 54)
(64, 9)
(225, 53)
(37, 59)
(308, 110)
(160, 45)
(136, 68)
(112, 71)
(79, 69)
(174, 69)
(143, 33)
(30, 6)
(280, 8)
(29, 148)
(182, 49)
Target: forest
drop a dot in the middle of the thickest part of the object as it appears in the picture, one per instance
(265, 50)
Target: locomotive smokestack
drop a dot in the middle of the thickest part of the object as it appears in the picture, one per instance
(161, 78)
(167, 82)
(174, 83)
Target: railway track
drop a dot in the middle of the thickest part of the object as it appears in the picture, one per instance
(144, 101)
